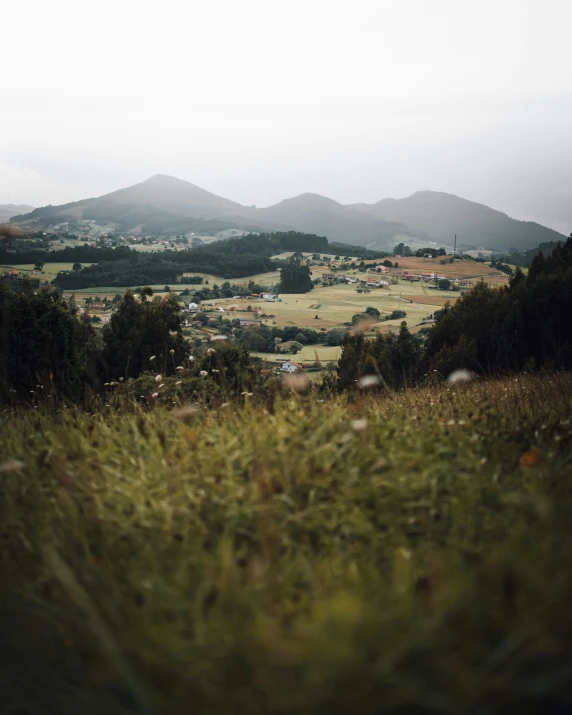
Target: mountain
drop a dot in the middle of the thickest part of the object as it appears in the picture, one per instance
(443, 215)
(313, 213)
(9, 210)
(164, 204)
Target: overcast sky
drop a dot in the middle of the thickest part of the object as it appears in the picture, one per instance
(258, 100)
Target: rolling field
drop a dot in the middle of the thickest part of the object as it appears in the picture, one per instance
(334, 305)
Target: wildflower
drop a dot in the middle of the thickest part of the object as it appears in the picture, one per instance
(368, 381)
(12, 465)
(459, 376)
(191, 358)
(120, 379)
(155, 394)
(161, 385)
(203, 373)
(158, 378)
(297, 382)
(215, 370)
(179, 382)
(172, 351)
(210, 351)
(152, 358)
(359, 425)
(179, 367)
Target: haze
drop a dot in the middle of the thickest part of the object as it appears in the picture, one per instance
(259, 101)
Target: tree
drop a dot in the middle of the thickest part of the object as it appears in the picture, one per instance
(138, 331)
(167, 289)
(335, 336)
(373, 312)
(76, 267)
(444, 284)
(43, 343)
(39, 265)
(295, 277)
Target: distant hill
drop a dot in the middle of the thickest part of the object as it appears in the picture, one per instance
(444, 215)
(9, 210)
(317, 214)
(164, 204)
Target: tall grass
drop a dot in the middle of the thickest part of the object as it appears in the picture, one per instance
(405, 553)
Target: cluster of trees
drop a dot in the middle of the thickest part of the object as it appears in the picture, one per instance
(295, 277)
(489, 331)
(75, 254)
(402, 250)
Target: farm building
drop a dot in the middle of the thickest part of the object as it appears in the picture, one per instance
(290, 366)
(249, 321)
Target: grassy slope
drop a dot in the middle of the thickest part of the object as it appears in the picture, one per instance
(285, 561)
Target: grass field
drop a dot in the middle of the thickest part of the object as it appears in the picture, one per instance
(406, 554)
(334, 305)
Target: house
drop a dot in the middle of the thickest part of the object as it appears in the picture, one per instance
(99, 306)
(105, 318)
(267, 296)
(427, 276)
(193, 307)
(290, 366)
(13, 271)
(249, 321)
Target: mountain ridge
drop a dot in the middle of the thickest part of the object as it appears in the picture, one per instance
(165, 203)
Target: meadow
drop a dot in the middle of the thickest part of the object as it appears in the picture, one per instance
(405, 553)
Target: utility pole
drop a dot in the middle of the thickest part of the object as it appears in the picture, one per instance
(455, 247)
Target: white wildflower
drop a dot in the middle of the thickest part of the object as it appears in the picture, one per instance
(368, 381)
(158, 378)
(179, 367)
(152, 358)
(172, 351)
(210, 351)
(359, 425)
(155, 394)
(203, 373)
(459, 376)
(179, 382)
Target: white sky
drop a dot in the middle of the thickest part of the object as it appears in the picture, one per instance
(259, 100)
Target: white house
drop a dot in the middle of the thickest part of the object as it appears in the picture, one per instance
(290, 366)
(193, 307)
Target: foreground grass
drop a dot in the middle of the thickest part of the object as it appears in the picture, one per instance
(404, 554)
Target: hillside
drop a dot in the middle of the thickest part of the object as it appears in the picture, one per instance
(409, 554)
(317, 214)
(443, 215)
(164, 204)
(9, 210)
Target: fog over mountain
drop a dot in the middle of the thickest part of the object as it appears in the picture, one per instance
(259, 102)
(165, 204)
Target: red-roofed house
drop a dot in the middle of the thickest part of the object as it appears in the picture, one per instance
(290, 366)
